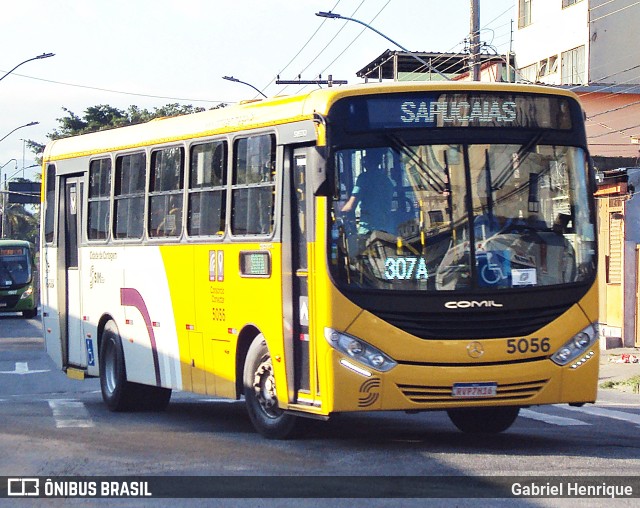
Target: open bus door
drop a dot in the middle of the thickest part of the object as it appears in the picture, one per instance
(298, 304)
(70, 219)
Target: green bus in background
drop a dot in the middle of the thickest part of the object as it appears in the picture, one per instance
(18, 278)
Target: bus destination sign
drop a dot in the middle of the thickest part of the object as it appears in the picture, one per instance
(459, 110)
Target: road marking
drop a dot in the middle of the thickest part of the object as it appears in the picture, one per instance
(550, 419)
(607, 413)
(70, 413)
(22, 368)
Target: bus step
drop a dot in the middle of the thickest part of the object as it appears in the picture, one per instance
(75, 373)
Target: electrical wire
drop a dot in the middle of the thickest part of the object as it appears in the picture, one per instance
(356, 37)
(182, 99)
(613, 131)
(324, 48)
(419, 71)
(614, 12)
(342, 52)
(302, 48)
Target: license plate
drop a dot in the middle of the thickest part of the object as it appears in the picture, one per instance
(3, 304)
(473, 390)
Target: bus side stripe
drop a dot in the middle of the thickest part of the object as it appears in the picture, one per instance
(132, 298)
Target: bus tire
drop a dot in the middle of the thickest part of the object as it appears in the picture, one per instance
(260, 394)
(29, 314)
(483, 420)
(117, 393)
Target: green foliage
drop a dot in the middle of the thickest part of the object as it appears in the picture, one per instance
(102, 117)
(20, 223)
(631, 384)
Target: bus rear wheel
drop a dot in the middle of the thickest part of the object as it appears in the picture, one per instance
(118, 393)
(483, 420)
(260, 394)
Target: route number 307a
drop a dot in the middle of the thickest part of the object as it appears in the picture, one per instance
(532, 345)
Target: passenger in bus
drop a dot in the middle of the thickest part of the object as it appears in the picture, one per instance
(373, 191)
(170, 222)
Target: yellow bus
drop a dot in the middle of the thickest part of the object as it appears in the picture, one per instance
(377, 247)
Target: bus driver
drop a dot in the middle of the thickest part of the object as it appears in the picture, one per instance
(373, 191)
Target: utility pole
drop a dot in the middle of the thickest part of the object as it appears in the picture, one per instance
(475, 39)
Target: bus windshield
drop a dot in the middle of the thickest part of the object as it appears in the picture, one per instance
(15, 267)
(443, 217)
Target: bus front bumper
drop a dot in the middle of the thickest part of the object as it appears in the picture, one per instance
(424, 387)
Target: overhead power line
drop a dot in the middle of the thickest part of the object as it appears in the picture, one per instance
(182, 99)
(326, 46)
(300, 50)
(614, 12)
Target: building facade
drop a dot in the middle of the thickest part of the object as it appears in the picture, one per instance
(590, 46)
(619, 261)
(578, 42)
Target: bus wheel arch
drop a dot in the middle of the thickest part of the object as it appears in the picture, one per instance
(267, 417)
(100, 329)
(245, 338)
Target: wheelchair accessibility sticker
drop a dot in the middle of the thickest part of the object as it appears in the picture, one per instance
(494, 268)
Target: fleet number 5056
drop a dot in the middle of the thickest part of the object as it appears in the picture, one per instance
(532, 345)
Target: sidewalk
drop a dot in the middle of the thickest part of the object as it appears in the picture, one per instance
(618, 364)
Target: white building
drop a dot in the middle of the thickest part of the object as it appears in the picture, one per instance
(593, 47)
(578, 41)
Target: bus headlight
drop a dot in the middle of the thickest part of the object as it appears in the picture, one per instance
(27, 293)
(358, 350)
(576, 346)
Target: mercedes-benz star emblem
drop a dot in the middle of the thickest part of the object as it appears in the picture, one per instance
(475, 349)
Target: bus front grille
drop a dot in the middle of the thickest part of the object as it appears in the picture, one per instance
(429, 394)
(471, 324)
(9, 301)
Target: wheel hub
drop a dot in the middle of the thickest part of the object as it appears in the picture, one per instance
(264, 386)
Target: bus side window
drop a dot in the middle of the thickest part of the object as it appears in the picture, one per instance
(207, 189)
(129, 196)
(253, 189)
(99, 190)
(50, 201)
(165, 192)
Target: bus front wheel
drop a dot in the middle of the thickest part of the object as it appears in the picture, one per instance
(483, 420)
(260, 394)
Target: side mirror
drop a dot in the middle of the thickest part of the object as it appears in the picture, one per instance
(317, 171)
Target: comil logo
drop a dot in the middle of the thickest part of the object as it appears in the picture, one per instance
(23, 487)
(470, 304)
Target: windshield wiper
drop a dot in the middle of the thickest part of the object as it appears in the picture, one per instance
(522, 154)
(438, 184)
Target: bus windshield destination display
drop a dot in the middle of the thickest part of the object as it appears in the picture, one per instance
(459, 110)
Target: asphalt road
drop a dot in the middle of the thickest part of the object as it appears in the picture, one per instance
(52, 426)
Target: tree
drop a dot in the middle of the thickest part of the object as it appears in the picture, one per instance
(102, 117)
(18, 222)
